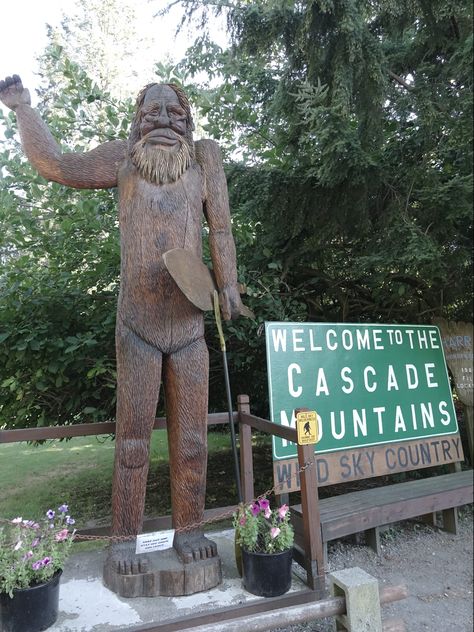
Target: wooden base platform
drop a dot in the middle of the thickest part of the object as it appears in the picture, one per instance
(163, 574)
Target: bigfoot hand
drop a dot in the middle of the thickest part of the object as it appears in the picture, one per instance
(231, 305)
(12, 92)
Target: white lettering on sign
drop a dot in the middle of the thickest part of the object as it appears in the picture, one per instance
(392, 380)
(376, 419)
(321, 384)
(298, 340)
(412, 376)
(155, 541)
(279, 339)
(294, 368)
(345, 376)
(289, 423)
(369, 387)
(301, 340)
(374, 380)
(430, 376)
(446, 417)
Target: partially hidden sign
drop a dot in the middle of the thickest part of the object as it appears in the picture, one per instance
(381, 393)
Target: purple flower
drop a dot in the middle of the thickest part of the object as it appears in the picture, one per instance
(63, 509)
(50, 514)
(264, 504)
(28, 555)
(47, 560)
(35, 543)
(70, 520)
(255, 509)
(36, 566)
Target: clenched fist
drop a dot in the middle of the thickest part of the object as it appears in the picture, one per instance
(12, 92)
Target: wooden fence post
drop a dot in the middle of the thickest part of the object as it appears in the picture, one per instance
(246, 458)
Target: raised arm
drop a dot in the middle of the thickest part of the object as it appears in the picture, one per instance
(96, 169)
(221, 242)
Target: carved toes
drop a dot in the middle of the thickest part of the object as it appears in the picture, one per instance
(132, 567)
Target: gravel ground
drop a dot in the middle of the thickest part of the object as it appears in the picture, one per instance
(437, 568)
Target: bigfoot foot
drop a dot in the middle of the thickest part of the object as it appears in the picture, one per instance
(123, 560)
(126, 573)
(193, 546)
(164, 572)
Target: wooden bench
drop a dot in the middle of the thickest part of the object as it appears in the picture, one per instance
(367, 510)
(318, 521)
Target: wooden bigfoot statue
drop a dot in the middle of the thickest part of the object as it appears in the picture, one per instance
(165, 183)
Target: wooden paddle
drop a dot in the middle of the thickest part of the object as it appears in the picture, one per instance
(195, 279)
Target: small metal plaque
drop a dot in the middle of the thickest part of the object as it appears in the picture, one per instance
(155, 541)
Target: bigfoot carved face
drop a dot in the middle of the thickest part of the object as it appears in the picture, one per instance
(162, 152)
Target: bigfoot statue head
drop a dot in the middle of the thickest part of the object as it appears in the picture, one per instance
(161, 140)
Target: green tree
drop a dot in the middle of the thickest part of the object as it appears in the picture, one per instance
(348, 130)
(356, 116)
(60, 265)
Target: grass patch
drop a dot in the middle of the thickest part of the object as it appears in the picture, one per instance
(79, 472)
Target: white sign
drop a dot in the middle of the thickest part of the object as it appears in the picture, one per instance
(155, 541)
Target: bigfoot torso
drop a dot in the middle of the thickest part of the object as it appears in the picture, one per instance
(154, 219)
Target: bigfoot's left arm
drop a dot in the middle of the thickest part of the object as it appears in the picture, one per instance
(221, 242)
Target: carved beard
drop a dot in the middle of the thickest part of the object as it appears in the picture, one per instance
(161, 166)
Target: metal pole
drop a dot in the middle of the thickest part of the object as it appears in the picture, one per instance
(217, 315)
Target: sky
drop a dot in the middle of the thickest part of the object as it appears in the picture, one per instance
(24, 34)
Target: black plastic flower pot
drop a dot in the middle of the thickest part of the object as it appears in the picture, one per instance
(267, 574)
(32, 609)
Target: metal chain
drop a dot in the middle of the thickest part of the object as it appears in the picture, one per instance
(196, 525)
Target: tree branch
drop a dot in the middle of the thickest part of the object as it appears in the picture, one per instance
(401, 81)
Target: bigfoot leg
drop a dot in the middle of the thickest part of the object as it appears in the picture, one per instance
(186, 388)
(138, 382)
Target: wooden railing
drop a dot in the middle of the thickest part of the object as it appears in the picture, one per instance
(88, 429)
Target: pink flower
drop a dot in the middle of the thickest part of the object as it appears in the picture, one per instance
(267, 512)
(242, 521)
(255, 509)
(274, 532)
(17, 520)
(61, 535)
(282, 511)
(264, 504)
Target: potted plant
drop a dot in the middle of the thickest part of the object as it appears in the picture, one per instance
(266, 537)
(32, 556)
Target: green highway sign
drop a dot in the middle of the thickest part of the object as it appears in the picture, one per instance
(369, 384)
